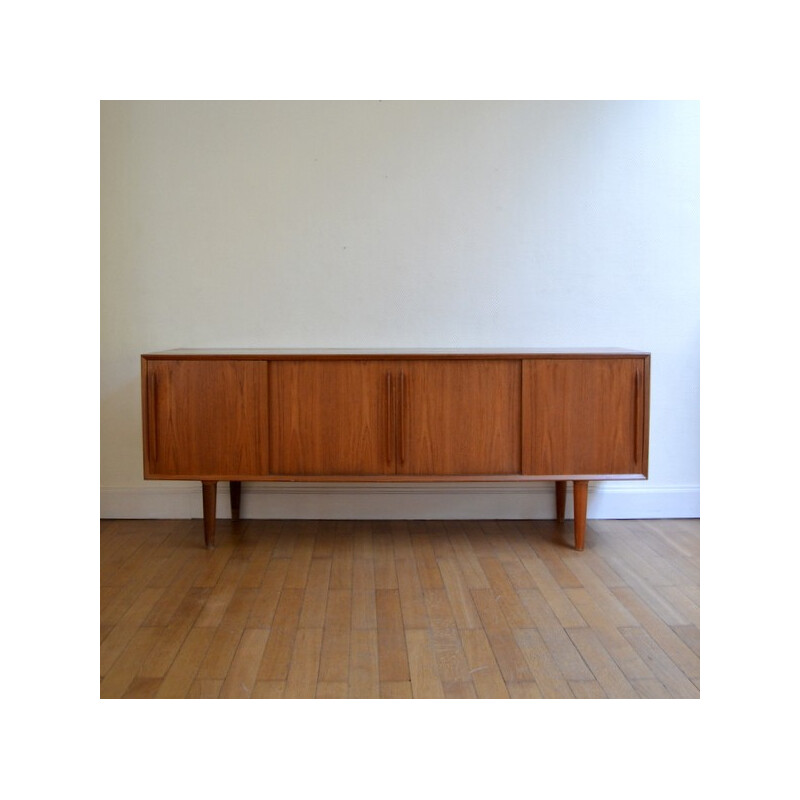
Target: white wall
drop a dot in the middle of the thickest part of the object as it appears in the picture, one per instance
(401, 224)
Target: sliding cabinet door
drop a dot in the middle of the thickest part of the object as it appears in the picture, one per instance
(331, 417)
(205, 418)
(459, 417)
(584, 416)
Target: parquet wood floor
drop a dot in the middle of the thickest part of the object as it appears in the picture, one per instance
(399, 609)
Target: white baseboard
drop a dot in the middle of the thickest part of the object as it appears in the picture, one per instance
(607, 500)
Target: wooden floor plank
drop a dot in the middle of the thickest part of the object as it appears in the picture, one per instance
(332, 690)
(422, 534)
(265, 537)
(315, 600)
(639, 546)
(561, 647)
(524, 690)
(546, 674)
(457, 588)
(397, 609)
(392, 653)
(661, 666)
(676, 541)
(513, 609)
(613, 611)
(510, 658)
(483, 667)
(364, 614)
(114, 644)
(451, 664)
(227, 635)
(174, 558)
(609, 635)
(325, 538)
(126, 668)
(205, 689)
(133, 554)
(556, 561)
(287, 538)
(300, 559)
(268, 690)
(553, 592)
(652, 590)
(277, 656)
(335, 655)
(497, 535)
(602, 665)
(342, 558)
(650, 688)
(214, 562)
(459, 690)
(361, 536)
(466, 557)
(412, 599)
(301, 681)
(690, 636)
(587, 690)
(664, 636)
(142, 689)
(363, 680)
(221, 595)
(396, 690)
(437, 533)
(176, 589)
(160, 658)
(183, 670)
(240, 679)
(124, 598)
(687, 608)
(425, 682)
(385, 572)
(268, 594)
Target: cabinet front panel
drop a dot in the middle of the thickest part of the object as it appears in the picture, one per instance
(459, 417)
(206, 418)
(331, 418)
(583, 416)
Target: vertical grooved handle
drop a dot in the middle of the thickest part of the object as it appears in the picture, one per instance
(401, 418)
(637, 423)
(390, 414)
(152, 417)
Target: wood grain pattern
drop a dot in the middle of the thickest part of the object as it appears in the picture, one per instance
(583, 416)
(515, 613)
(459, 417)
(329, 418)
(205, 418)
(385, 417)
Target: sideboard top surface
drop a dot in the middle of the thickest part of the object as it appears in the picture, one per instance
(399, 353)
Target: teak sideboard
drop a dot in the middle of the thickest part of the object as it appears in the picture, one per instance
(411, 415)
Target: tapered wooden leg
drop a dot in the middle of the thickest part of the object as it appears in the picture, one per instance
(561, 500)
(580, 491)
(236, 497)
(209, 511)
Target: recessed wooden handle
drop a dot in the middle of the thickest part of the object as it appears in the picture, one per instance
(637, 423)
(152, 417)
(390, 414)
(401, 418)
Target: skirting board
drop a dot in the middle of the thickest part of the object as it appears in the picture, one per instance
(607, 500)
